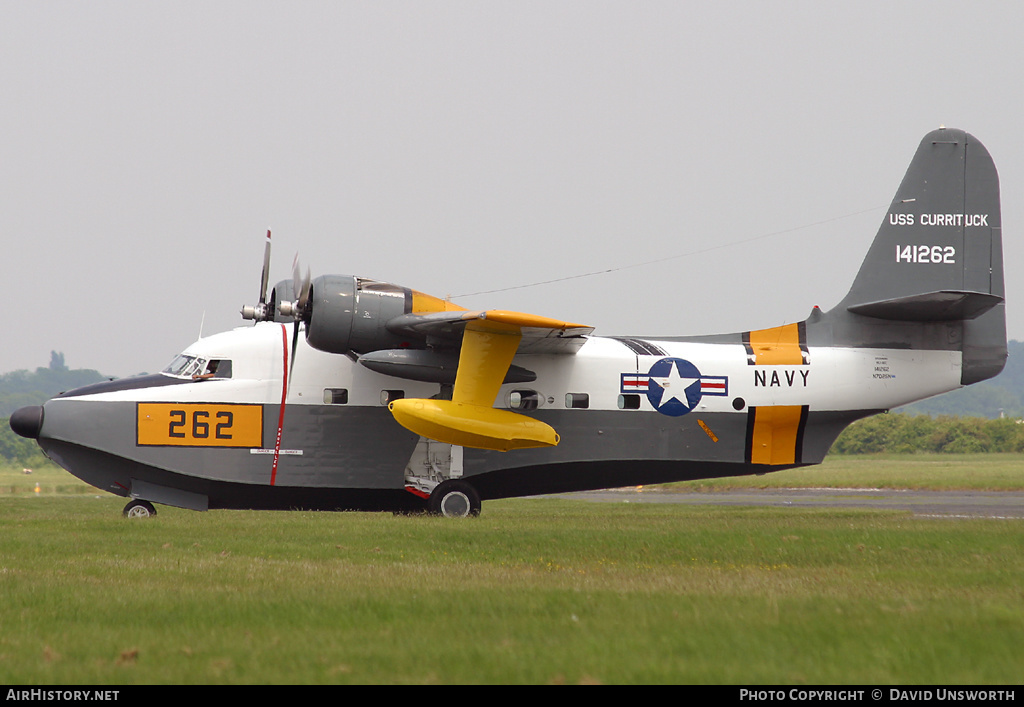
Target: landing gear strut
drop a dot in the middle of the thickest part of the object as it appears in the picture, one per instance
(434, 472)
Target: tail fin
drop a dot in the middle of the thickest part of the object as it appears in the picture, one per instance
(937, 260)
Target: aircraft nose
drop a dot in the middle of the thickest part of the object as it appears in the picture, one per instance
(28, 421)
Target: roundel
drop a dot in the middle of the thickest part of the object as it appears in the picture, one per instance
(674, 386)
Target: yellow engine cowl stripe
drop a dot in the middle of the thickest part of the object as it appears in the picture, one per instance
(422, 303)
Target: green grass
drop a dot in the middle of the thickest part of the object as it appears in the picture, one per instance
(533, 591)
(941, 472)
(42, 479)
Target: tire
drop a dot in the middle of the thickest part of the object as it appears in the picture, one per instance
(139, 509)
(454, 499)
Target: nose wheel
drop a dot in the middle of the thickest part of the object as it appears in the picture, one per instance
(454, 499)
(139, 509)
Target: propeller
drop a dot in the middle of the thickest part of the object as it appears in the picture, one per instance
(299, 309)
(261, 312)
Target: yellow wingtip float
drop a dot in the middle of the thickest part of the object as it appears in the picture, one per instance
(472, 425)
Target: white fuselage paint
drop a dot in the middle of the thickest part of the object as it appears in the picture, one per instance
(834, 379)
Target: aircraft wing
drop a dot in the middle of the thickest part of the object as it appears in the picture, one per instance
(490, 340)
(538, 334)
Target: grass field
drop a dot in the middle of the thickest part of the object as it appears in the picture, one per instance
(534, 591)
(940, 472)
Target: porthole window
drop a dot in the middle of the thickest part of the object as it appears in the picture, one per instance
(390, 396)
(629, 401)
(578, 401)
(524, 400)
(335, 396)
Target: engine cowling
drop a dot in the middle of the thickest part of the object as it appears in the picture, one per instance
(347, 313)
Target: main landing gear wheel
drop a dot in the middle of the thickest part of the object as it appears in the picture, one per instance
(454, 499)
(139, 509)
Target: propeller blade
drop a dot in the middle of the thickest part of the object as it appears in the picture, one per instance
(259, 312)
(266, 270)
(307, 286)
(295, 345)
(296, 281)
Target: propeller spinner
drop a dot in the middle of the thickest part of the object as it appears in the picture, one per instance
(301, 288)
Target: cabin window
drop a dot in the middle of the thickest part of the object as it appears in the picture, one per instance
(629, 401)
(389, 396)
(579, 401)
(335, 396)
(524, 400)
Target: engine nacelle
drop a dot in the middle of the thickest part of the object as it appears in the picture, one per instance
(347, 313)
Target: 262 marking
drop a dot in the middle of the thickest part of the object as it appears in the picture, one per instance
(202, 425)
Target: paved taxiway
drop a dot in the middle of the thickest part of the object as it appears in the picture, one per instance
(953, 504)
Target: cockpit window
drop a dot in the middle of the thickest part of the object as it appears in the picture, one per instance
(219, 368)
(197, 368)
(185, 366)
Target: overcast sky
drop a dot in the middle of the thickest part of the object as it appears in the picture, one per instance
(746, 151)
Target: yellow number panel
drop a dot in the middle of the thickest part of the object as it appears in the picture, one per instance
(203, 425)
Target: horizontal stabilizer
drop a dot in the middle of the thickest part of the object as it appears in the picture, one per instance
(472, 425)
(940, 306)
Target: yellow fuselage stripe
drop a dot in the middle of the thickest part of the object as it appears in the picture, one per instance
(775, 434)
(778, 346)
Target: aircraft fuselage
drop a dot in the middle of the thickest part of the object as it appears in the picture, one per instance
(628, 411)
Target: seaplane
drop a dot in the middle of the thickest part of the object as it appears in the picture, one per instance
(348, 393)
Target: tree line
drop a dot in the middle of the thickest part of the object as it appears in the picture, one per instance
(21, 388)
(902, 433)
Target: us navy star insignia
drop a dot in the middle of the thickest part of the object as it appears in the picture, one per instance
(676, 387)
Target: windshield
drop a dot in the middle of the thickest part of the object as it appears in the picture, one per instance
(185, 366)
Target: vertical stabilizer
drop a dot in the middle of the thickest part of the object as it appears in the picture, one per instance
(937, 258)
